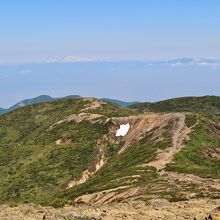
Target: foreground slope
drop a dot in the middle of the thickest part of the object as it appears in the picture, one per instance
(67, 152)
(159, 209)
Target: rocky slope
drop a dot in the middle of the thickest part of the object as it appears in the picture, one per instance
(200, 209)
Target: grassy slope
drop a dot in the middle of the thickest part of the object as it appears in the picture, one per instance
(119, 171)
(207, 104)
(32, 167)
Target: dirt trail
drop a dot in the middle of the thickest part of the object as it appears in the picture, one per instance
(93, 104)
(77, 118)
(180, 134)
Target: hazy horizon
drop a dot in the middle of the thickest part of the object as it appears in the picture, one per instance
(127, 81)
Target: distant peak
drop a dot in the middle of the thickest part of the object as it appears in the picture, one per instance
(192, 61)
(71, 59)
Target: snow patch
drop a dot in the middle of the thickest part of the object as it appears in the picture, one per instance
(123, 130)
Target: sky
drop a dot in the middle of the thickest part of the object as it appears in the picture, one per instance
(128, 81)
(37, 36)
(36, 31)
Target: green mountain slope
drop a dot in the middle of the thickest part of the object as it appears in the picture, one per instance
(46, 98)
(38, 99)
(205, 104)
(32, 164)
(67, 151)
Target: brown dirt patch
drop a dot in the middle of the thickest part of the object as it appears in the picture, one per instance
(93, 118)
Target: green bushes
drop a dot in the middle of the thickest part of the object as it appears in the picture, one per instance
(192, 158)
(33, 168)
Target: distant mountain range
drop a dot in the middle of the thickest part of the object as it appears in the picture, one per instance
(119, 102)
(2, 111)
(171, 62)
(192, 61)
(38, 99)
(46, 98)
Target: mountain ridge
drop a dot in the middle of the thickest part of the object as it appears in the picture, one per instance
(47, 98)
(205, 104)
(165, 105)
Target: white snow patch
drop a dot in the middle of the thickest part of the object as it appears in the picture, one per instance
(123, 130)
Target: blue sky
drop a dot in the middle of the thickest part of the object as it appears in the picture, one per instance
(35, 31)
(108, 29)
